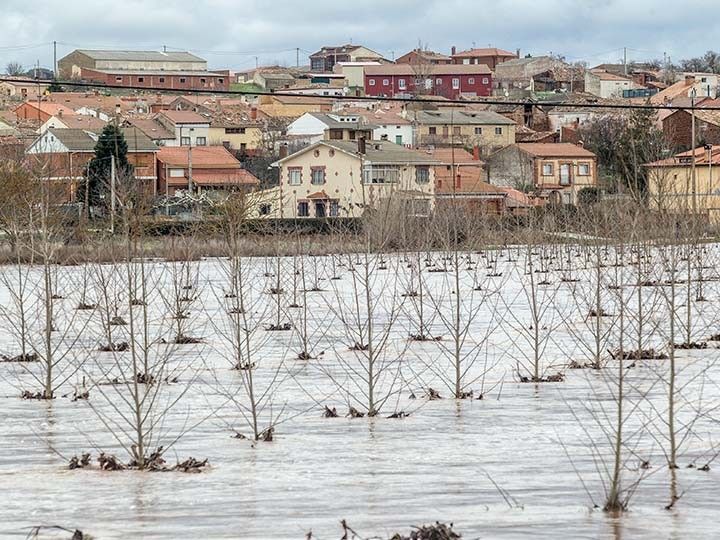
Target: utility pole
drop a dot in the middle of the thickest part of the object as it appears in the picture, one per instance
(164, 48)
(693, 93)
(625, 59)
(297, 57)
(55, 70)
(112, 194)
(256, 62)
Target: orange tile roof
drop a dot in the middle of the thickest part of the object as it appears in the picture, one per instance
(50, 108)
(555, 150)
(185, 117)
(487, 51)
(202, 157)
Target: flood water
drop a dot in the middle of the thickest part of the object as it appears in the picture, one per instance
(526, 461)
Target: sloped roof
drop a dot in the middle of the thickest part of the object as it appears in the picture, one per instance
(331, 123)
(474, 118)
(555, 150)
(75, 140)
(52, 109)
(82, 121)
(684, 159)
(487, 51)
(140, 56)
(378, 152)
(152, 128)
(185, 117)
(202, 157)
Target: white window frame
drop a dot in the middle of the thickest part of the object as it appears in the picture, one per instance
(485, 80)
(425, 174)
(386, 82)
(294, 177)
(498, 131)
(371, 82)
(471, 80)
(456, 83)
(548, 169)
(402, 84)
(583, 169)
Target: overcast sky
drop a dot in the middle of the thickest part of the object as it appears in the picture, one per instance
(231, 33)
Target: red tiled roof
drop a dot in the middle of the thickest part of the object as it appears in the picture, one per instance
(50, 108)
(202, 157)
(555, 150)
(185, 117)
(488, 51)
(684, 159)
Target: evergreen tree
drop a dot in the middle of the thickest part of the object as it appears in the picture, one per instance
(97, 177)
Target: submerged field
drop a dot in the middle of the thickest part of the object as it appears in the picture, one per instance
(539, 342)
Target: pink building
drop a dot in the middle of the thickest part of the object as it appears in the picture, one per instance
(449, 81)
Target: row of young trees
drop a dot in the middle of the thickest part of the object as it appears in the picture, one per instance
(453, 306)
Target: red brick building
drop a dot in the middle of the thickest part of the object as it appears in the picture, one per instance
(40, 111)
(449, 81)
(170, 80)
(677, 127)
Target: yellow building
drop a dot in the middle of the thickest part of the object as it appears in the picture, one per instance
(292, 106)
(334, 178)
(485, 129)
(672, 186)
(245, 138)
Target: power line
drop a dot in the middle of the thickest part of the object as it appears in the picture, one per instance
(436, 100)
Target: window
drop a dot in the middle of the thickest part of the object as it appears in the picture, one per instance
(182, 80)
(118, 79)
(398, 139)
(234, 130)
(422, 175)
(402, 84)
(317, 176)
(336, 134)
(432, 130)
(471, 80)
(438, 82)
(456, 130)
(584, 169)
(478, 131)
(456, 84)
(303, 209)
(141, 79)
(265, 209)
(498, 131)
(295, 176)
(371, 82)
(428, 84)
(547, 169)
(381, 175)
(184, 141)
(203, 80)
(386, 82)
(201, 141)
(320, 209)
(334, 209)
(243, 147)
(221, 81)
(177, 173)
(565, 176)
(161, 79)
(486, 80)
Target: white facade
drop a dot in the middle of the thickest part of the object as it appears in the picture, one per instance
(47, 143)
(401, 134)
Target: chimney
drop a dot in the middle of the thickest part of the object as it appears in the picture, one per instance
(361, 145)
(453, 50)
(517, 52)
(253, 113)
(476, 153)
(283, 151)
(60, 113)
(689, 78)
(581, 144)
